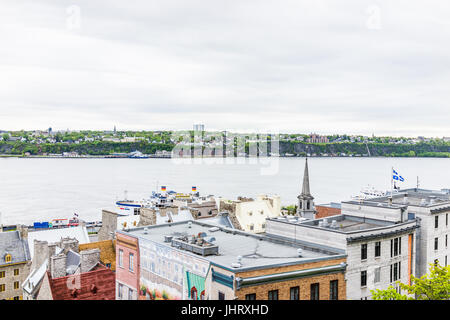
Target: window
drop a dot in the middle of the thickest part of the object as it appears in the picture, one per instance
(16, 272)
(436, 243)
(221, 295)
(130, 294)
(446, 219)
(295, 293)
(2, 287)
(16, 298)
(120, 291)
(436, 262)
(8, 258)
(377, 275)
(395, 271)
(108, 265)
(273, 295)
(251, 227)
(120, 258)
(396, 247)
(334, 290)
(131, 261)
(250, 296)
(446, 240)
(436, 222)
(314, 291)
(363, 278)
(2, 274)
(378, 249)
(263, 225)
(16, 285)
(364, 251)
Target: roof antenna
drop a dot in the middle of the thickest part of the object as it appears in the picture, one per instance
(417, 185)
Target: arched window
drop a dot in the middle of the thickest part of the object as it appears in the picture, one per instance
(193, 293)
(202, 295)
(8, 258)
(307, 205)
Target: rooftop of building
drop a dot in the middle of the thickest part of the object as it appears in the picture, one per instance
(98, 284)
(252, 251)
(335, 205)
(342, 223)
(54, 235)
(415, 197)
(12, 244)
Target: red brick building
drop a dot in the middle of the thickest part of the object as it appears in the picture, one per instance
(327, 210)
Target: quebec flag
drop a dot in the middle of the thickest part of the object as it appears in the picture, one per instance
(396, 176)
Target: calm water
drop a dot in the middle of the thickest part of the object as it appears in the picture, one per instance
(42, 189)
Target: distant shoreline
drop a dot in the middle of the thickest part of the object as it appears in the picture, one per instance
(204, 157)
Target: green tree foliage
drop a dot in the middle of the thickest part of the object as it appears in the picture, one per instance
(433, 286)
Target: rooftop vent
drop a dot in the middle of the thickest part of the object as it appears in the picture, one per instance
(300, 252)
(196, 245)
(168, 238)
(189, 224)
(213, 229)
(325, 222)
(145, 230)
(334, 224)
(237, 264)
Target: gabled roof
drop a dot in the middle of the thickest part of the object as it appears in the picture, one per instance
(11, 243)
(98, 284)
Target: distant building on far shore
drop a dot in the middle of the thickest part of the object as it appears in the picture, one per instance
(199, 127)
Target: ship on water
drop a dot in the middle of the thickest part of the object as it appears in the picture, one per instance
(159, 199)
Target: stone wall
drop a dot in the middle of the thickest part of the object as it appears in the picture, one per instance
(10, 279)
(148, 217)
(109, 226)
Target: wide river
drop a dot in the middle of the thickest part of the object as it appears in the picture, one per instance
(42, 189)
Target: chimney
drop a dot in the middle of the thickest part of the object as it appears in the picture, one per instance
(40, 253)
(23, 231)
(405, 199)
(58, 265)
(69, 244)
(89, 259)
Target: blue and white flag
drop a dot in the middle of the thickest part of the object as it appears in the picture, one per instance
(396, 176)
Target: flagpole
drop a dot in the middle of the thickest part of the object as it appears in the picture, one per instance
(392, 181)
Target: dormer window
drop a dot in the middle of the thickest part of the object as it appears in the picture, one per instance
(8, 258)
(250, 213)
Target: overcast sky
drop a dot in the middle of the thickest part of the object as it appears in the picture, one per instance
(325, 66)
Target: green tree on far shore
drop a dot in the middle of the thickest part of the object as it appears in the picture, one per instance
(433, 286)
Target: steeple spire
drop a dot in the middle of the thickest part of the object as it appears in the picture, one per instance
(305, 206)
(305, 188)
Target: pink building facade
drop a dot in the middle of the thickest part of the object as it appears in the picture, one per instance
(127, 267)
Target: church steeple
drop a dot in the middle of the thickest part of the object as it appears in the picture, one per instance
(305, 206)
(305, 188)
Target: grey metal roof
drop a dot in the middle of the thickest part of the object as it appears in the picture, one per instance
(72, 259)
(11, 243)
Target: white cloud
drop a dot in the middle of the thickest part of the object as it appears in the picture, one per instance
(294, 65)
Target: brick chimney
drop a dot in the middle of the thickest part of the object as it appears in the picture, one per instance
(89, 258)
